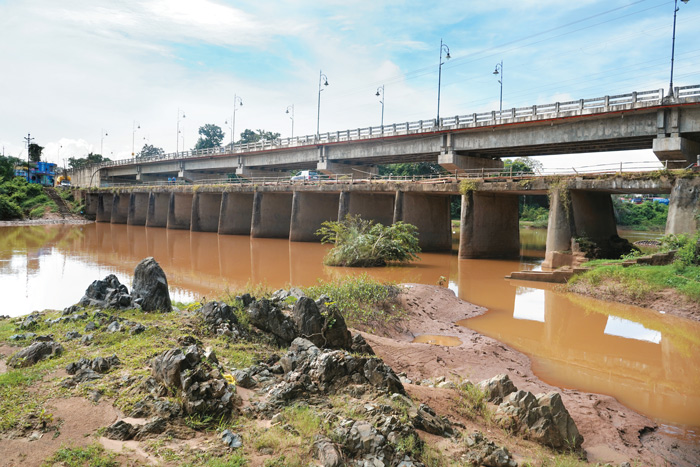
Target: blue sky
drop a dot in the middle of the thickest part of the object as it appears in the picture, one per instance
(74, 67)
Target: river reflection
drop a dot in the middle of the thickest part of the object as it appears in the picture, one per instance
(647, 361)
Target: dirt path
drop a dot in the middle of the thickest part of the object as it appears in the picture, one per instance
(611, 430)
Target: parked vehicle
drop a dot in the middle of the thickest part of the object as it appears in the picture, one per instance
(305, 175)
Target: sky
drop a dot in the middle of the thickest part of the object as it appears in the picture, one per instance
(110, 76)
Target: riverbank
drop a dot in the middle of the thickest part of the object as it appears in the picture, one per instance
(65, 415)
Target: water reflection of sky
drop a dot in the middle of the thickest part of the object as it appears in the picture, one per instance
(529, 304)
(629, 329)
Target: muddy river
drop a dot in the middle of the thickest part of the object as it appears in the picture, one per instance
(645, 359)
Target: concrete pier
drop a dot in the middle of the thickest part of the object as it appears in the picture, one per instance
(272, 213)
(594, 216)
(489, 226)
(206, 208)
(158, 205)
(180, 211)
(560, 228)
(91, 201)
(309, 211)
(430, 214)
(104, 207)
(138, 209)
(120, 208)
(236, 213)
(378, 207)
(684, 207)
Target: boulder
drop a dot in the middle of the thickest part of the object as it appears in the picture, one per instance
(424, 418)
(106, 293)
(231, 439)
(267, 317)
(360, 345)
(326, 452)
(325, 330)
(481, 451)
(497, 388)
(34, 353)
(120, 431)
(150, 286)
(220, 319)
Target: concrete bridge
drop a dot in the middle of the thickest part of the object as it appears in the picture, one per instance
(579, 206)
(638, 120)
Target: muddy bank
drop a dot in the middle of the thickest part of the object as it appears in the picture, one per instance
(74, 220)
(612, 432)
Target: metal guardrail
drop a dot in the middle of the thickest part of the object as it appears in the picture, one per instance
(598, 104)
(365, 177)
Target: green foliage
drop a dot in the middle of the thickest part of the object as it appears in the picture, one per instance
(16, 403)
(211, 136)
(7, 167)
(29, 198)
(645, 216)
(521, 165)
(362, 243)
(411, 169)
(467, 186)
(472, 401)
(35, 152)
(688, 253)
(250, 136)
(361, 300)
(537, 215)
(90, 456)
(149, 150)
(9, 209)
(81, 162)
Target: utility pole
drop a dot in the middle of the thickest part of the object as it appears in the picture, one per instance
(29, 140)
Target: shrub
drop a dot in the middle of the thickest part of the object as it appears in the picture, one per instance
(362, 243)
(9, 209)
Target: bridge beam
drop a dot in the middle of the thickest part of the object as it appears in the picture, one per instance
(104, 207)
(158, 205)
(235, 217)
(357, 170)
(489, 226)
(309, 211)
(206, 209)
(676, 151)
(138, 209)
(272, 213)
(430, 214)
(248, 172)
(684, 207)
(452, 162)
(180, 211)
(378, 207)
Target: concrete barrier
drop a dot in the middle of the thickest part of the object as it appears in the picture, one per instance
(236, 213)
(138, 208)
(206, 208)
(272, 213)
(309, 211)
(180, 211)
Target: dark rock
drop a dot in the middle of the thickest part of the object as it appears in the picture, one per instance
(168, 366)
(186, 341)
(167, 409)
(267, 317)
(487, 453)
(219, 318)
(34, 353)
(336, 331)
(152, 427)
(497, 388)
(86, 340)
(424, 418)
(70, 335)
(329, 331)
(91, 326)
(326, 452)
(151, 286)
(83, 375)
(17, 337)
(244, 379)
(71, 309)
(136, 328)
(114, 326)
(46, 338)
(360, 345)
(104, 293)
(120, 431)
(245, 299)
(30, 322)
(232, 440)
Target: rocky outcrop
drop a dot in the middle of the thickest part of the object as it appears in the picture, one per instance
(497, 388)
(542, 418)
(484, 452)
(220, 319)
(107, 293)
(34, 353)
(150, 287)
(266, 316)
(325, 330)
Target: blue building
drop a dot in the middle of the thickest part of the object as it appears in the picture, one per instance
(42, 173)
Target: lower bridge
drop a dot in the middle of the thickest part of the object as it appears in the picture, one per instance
(579, 206)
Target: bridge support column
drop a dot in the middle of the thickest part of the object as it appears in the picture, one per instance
(452, 162)
(91, 201)
(684, 207)
(180, 211)
(594, 216)
(378, 207)
(357, 171)
(431, 214)
(158, 205)
(272, 213)
(138, 209)
(560, 228)
(309, 211)
(675, 151)
(104, 207)
(235, 217)
(489, 226)
(206, 209)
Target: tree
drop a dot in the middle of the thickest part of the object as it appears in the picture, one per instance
(80, 162)
(35, 152)
(522, 165)
(211, 136)
(410, 169)
(7, 167)
(150, 151)
(250, 136)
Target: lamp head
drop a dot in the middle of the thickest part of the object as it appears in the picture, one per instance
(377, 94)
(495, 72)
(325, 83)
(685, 1)
(286, 111)
(448, 56)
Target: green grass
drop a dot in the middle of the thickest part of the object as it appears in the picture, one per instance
(90, 456)
(16, 403)
(472, 402)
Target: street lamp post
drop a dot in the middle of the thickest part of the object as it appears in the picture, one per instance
(103, 133)
(291, 116)
(322, 79)
(177, 136)
(135, 126)
(58, 155)
(380, 93)
(237, 102)
(445, 48)
(29, 140)
(673, 43)
(499, 71)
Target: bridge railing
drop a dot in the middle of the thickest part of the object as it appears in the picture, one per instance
(540, 111)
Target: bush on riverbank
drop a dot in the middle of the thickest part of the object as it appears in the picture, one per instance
(646, 216)
(363, 243)
(19, 198)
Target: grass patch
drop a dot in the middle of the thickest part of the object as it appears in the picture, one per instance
(472, 402)
(363, 301)
(17, 405)
(90, 456)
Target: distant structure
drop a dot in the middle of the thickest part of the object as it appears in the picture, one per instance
(43, 173)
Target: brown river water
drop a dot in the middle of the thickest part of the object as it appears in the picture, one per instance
(647, 360)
